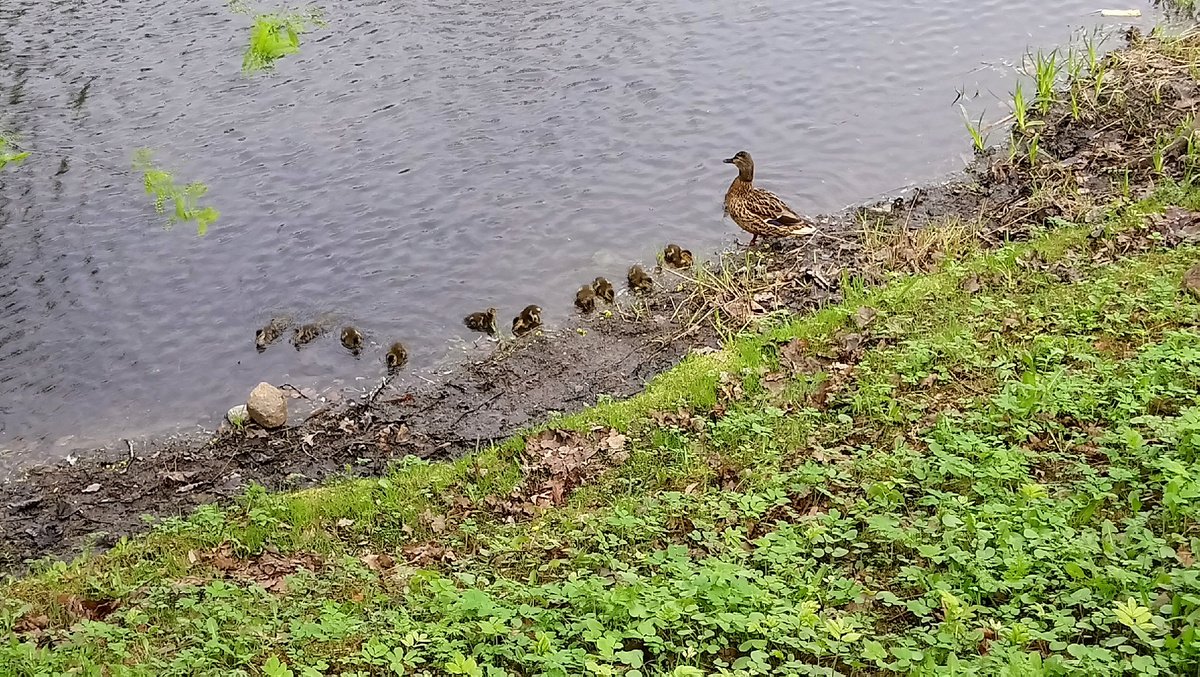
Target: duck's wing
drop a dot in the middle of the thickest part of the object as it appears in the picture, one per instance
(767, 206)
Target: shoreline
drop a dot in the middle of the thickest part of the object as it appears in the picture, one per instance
(524, 384)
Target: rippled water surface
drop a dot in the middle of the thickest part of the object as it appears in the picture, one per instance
(420, 161)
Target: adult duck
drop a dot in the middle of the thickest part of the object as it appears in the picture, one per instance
(758, 211)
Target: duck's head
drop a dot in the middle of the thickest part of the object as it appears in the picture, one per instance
(744, 164)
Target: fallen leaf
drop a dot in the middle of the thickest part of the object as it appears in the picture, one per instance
(380, 562)
(92, 488)
(345, 522)
(438, 524)
(864, 316)
(179, 476)
(970, 284)
(775, 382)
(1185, 556)
(929, 380)
(1191, 281)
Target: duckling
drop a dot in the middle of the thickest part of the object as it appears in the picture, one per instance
(271, 333)
(527, 321)
(585, 298)
(757, 211)
(676, 257)
(639, 280)
(396, 358)
(352, 339)
(604, 289)
(306, 334)
(484, 322)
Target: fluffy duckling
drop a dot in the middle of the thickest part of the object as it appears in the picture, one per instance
(396, 358)
(271, 333)
(585, 298)
(603, 289)
(484, 322)
(758, 211)
(639, 281)
(305, 334)
(527, 321)
(677, 257)
(352, 339)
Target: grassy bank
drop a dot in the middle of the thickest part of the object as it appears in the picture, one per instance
(989, 468)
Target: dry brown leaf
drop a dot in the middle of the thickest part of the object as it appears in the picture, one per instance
(864, 316)
(1191, 282)
(380, 562)
(970, 284)
(1185, 556)
(345, 522)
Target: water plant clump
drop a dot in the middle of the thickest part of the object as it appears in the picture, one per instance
(184, 201)
(8, 152)
(276, 35)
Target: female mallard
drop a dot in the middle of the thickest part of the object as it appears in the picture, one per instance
(757, 211)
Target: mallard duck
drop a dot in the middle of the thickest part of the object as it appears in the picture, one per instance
(306, 334)
(527, 321)
(758, 211)
(271, 333)
(676, 257)
(396, 357)
(603, 289)
(639, 280)
(352, 339)
(484, 322)
(585, 298)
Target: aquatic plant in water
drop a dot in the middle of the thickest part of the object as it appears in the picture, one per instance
(275, 35)
(184, 200)
(8, 155)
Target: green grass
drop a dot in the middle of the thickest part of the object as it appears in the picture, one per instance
(1004, 483)
(184, 200)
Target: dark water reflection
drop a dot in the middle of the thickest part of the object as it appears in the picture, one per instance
(412, 165)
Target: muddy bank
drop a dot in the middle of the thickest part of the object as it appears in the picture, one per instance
(1103, 155)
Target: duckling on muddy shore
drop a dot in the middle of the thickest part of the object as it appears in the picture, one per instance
(352, 339)
(483, 322)
(271, 333)
(639, 281)
(305, 334)
(603, 289)
(677, 257)
(585, 298)
(527, 321)
(396, 358)
(758, 211)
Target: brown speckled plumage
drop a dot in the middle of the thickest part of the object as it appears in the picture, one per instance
(758, 211)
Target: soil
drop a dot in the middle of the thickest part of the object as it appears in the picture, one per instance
(101, 496)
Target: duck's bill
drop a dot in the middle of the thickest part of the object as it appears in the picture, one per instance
(807, 230)
(728, 161)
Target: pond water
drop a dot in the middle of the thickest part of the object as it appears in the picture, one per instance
(413, 165)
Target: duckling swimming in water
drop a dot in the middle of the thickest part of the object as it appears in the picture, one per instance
(758, 211)
(396, 358)
(677, 257)
(271, 333)
(305, 334)
(603, 289)
(527, 321)
(352, 339)
(585, 298)
(639, 280)
(484, 322)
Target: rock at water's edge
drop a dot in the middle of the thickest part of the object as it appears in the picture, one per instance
(267, 406)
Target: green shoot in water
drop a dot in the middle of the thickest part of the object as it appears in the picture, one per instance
(7, 155)
(274, 36)
(978, 135)
(1046, 69)
(184, 201)
(1021, 111)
